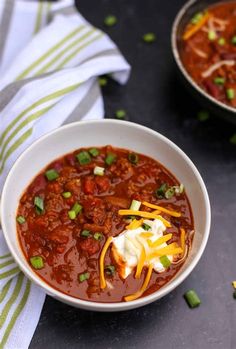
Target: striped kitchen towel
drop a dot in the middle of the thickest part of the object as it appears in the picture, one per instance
(50, 58)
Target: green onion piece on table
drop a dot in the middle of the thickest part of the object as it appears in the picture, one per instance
(51, 174)
(233, 139)
(192, 299)
(110, 158)
(110, 20)
(83, 157)
(203, 115)
(149, 38)
(37, 262)
(120, 114)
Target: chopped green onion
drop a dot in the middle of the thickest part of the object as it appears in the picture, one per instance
(66, 194)
(84, 276)
(233, 139)
(110, 20)
(234, 294)
(99, 171)
(20, 219)
(230, 93)
(160, 192)
(196, 18)
(133, 158)
(85, 233)
(170, 193)
(94, 152)
(39, 204)
(211, 35)
(131, 218)
(221, 41)
(145, 226)
(120, 114)
(233, 40)
(110, 269)
(37, 262)
(192, 299)
(165, 261)
(71, 214)
(51, 174)
(98, 236)
(76, 209)
(110, 158)
(219, 80)
(149, 37)
(102, 81)
(83, 157)
(203, 115)
(181, 188)
(135, 205)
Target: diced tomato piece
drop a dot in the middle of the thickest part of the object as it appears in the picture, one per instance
(89, 185)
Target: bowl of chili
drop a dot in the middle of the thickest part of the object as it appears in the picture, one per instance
(110, 216)
(204, 48)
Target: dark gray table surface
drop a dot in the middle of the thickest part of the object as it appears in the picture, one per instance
(155, 98)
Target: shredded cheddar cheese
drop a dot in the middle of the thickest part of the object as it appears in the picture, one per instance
(101, 263)
(139, 293)
(234, 284)
(144, 214)
(162, 209)
(135, 224)
(146, 235)
(159, 241)
(170, 249)
(196, 27)
(182, 239)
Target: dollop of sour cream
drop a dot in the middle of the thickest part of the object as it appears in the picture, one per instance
(127, 248)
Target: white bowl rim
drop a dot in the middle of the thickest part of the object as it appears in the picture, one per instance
(175, 51)
(119, 306)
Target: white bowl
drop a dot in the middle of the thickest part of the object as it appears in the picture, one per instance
(99, 133)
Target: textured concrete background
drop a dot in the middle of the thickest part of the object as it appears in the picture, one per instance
(155, 98)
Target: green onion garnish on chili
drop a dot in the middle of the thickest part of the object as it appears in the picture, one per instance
(83, 157)
(99, 171)
(145, 226)
(110, 158)
(233, 40)
(230, 93)
(165, 261)
(135, 205)
(133, 158)
(170, 193)
(85, 233)
(39, 204)
(66, 194)
(192, 299)
(160, 192)
(221, 41)
(197, 18)
(51, 174)
(110, 269)
(98, 236)
(219, 80)
(83, 277)
(20, 219)
(76, 209)
(37, 262)
(94, 152)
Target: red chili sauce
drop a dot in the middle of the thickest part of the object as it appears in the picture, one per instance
(208, 51)
(50, 233)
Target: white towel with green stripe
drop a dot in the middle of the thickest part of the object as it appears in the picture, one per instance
(50, 60)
